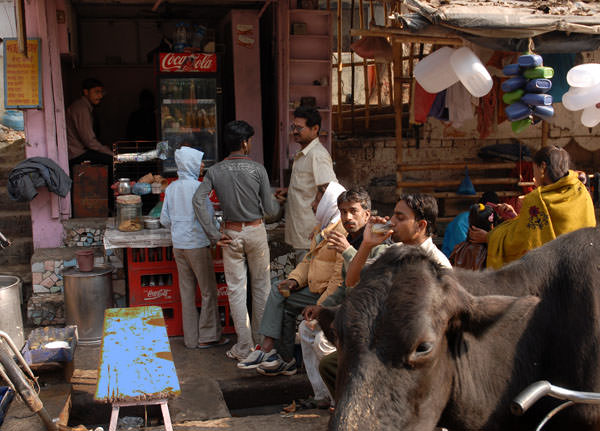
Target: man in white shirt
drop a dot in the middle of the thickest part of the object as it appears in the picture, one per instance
(312, 167)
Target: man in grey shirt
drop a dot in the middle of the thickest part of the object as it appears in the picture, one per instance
(244, 192)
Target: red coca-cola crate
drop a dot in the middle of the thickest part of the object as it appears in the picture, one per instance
(151, 258)
(172, 316)
(224, 312)
(153, 287)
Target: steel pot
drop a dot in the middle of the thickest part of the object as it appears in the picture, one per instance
(151, 223)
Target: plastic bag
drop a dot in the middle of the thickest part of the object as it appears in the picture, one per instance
(466, 186)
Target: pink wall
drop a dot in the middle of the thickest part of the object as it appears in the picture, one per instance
(45, 128)
(246, 74)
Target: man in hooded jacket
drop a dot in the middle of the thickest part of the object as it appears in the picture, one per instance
(191, 249)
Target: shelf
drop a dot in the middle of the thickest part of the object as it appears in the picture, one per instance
(313, 36)
(310, 12)
(189, 101)
(186, 130)
(318, 109)
(305, 60)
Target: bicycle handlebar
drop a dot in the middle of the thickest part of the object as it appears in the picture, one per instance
(542, 388)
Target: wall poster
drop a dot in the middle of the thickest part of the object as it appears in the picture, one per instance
(22, 75)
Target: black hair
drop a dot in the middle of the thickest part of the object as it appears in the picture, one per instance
(424, 207)
(311, 115)
(235, 133)
(489, 197)
(557, 161)
(482, 216)
(356, 195)
(90, 83)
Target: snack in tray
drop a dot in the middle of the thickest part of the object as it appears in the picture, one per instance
(130, 226)
(148, 178)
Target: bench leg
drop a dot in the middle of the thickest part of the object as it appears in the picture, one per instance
(114, 418)
(166, 416)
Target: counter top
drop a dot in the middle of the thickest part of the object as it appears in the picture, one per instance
(145, 238)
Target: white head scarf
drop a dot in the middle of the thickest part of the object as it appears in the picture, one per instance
(327, 210)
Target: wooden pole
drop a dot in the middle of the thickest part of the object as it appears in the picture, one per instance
(352, 89)
(365, 69)
(339, 69)
(21, 27)
(411, 63)
(398, 107)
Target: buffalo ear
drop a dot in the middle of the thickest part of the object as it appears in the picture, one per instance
(325, 319)
(482, 311)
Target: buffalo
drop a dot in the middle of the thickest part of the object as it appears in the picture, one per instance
(421, 346)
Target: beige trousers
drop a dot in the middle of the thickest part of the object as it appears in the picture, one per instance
(196, 265)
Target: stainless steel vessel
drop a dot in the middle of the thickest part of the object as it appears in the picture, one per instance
(124, 187)
(11, 319)
(87, 295)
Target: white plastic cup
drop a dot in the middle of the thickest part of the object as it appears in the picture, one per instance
(584, 75)
(581, 97)
(590, 116)
(434, 73)
(471, 72)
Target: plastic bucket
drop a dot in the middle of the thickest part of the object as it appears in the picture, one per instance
(87, 295)
(434, 73)
(11, 319)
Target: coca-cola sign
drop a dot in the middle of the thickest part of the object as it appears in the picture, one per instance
(181, 62)
(153, 295)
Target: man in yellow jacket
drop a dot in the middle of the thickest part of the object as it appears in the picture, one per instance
(314, 278)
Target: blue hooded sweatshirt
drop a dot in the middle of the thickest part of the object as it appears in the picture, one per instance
(178, 211)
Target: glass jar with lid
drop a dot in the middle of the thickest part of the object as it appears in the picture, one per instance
(129, 213)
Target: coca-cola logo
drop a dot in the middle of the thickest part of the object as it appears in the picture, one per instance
(196, 62)
(151, 295)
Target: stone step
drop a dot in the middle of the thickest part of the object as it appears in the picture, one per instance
(22, 270)
(9, 204)
(15, 224)
(13, 152)
(18, 253)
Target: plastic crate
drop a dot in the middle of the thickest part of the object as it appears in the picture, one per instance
(225, 313)
(154, 287)
(173, 319)
(151, 258)
(34, 351)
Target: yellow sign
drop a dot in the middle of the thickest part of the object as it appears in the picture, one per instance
(22, 75)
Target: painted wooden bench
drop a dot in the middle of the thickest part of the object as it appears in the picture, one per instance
(136, 365)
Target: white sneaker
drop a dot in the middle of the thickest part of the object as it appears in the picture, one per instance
(255, 359)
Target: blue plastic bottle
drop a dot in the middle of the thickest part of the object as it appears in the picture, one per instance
(517, 111)
(511, 69)
(513, 83)
(530, 60)
(537, 99)
(538, 86)
(544, 112)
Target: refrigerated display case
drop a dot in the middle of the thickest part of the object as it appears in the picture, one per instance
(189, 92)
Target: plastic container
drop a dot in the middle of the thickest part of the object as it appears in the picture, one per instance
(581, 97)
(129, 213)
(40, 346)
(590, 116)
(520, 125)
(434, 72)
(180, 39)
(543, 112)
(536, 99)
(471, 72)
(11, 319)
(141, 188)
(513, 96)
(530, 60)
(538, 86)
(584, 75)
(511, 70)
(517, 111)
(539, 72)
(513, 84)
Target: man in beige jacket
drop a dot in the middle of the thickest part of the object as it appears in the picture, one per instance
(318, 275)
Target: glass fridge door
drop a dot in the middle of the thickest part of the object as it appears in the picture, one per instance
(188, 117)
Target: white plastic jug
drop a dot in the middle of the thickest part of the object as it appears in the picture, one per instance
(590, 116)
(471, 72)
(581, 97)
(584, 75)
(434, 73)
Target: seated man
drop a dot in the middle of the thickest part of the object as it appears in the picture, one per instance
(355, 210)
(316, 276)
(412, 223)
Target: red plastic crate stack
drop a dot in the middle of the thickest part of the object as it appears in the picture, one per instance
(153, 280)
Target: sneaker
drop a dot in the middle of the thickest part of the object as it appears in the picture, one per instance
(256, 358)
(285, 368)
(231, 354)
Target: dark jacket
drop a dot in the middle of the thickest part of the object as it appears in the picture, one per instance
(35, 172)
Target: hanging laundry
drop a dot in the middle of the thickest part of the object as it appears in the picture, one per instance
(438, 109)
(561, 63)
(486, 110)
(422, 103)
(458, 102)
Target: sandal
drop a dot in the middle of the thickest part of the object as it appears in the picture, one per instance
(221, 342)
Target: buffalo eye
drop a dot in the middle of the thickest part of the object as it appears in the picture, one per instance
(424, 348)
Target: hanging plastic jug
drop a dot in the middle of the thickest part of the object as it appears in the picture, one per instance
(513, 96)
(538, 86)
(590, 116)
(581, 97)
(539, 72)
(520, 125)
(543, 112)
(471, 72)
(584, 75)
(513, 84)
(530, 60)
(511, 70)
(537, 99)
(434, 73)
(517, 111)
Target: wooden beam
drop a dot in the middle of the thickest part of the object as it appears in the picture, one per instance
(365, 70)
(453, 183)
(406, 37)
(457, 166)
(21, 27)
(398, 106)
(339, 69)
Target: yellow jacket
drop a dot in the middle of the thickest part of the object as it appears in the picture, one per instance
(547, 212)
(321, 268)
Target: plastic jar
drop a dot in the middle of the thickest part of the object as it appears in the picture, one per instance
(581, 97)
(434, 73)
(584, 75)
(590, 116)
(129, 213)
(471, 72)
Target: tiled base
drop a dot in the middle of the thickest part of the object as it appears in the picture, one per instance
(46, 275)
(48, 309)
